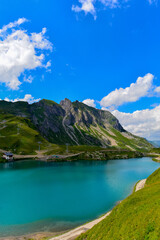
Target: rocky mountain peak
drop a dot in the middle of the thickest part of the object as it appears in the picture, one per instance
(74, 123)
(66, 104)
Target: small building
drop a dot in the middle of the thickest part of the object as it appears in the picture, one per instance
(8, 156)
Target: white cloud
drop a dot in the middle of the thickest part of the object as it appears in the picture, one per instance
(89, 6)
(86, 5)
(111, 3)
(27, 98)
(39, 41)
(12, 25)
(130, 94)
(28, 79)
(20, 51)
(157, 90)
(90, 102)
(144, 123)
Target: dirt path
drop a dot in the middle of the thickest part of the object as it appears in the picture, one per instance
(140, 185)
(71, 235)
(40, 155)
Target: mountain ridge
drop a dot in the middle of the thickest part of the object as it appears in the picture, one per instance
(72, 122)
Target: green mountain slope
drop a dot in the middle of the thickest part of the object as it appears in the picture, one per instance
(74, 123)
(19, 135)
(137, 217)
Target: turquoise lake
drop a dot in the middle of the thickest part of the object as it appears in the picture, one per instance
(38, 196)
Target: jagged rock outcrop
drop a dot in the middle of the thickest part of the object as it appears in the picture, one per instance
(74, 123)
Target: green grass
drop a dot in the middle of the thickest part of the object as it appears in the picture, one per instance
(155, 150)
(155, 160)
(17, 134)
(49, 102)
(61, 149)
(20, 134)
(154, 178)
(47, 118)
(93, 152)
(136, 218)
(2, 160)
(17, 108)
(135, 143)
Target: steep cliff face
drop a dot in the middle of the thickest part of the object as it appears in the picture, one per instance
(81, 121)
(74, 123)
(47, 117)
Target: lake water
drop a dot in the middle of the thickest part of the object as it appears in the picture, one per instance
(38, 196)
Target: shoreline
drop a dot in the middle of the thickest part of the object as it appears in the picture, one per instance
(140, 184)
(72, 233)
(67, 159)
(100, 155)
(33, 236)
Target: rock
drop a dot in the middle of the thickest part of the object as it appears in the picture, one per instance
(73, 123)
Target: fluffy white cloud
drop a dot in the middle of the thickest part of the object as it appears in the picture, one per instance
(86, 5)
(27, 98)
(12, 25)
(144, 123)
(130, 94)
(89, 6)
(90, 102)
(20, 51)
(157, 90)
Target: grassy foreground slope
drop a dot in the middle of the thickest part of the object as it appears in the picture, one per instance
(136, 218)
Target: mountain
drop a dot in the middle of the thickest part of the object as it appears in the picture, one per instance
(68, 122)
(155, 143)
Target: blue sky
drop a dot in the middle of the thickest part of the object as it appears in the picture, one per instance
(93, 47)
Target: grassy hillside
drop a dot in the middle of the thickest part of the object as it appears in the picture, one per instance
(155, 150)
(93, 152)
(17, 134)
(136, 218)
(22, 125)
(17, 108)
